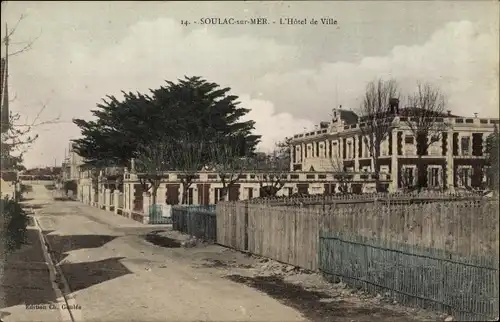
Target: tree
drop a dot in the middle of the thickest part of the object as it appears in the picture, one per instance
(226, 160)
(425, 121)
(191, 105)
(188, 159)
(493, 159)
(15, 138)
(379, 105)
(154, 159)
(342, 177)
(271, 171)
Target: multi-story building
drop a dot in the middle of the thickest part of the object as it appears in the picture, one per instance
(456, 159)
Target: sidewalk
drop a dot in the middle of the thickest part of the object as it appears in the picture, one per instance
(26, 288)
(111, 219)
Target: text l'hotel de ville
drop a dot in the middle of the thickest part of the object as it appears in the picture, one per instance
(261, 21)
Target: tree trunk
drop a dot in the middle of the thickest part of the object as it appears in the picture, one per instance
(420, 174)
(185, 186)
(224, 191)
(376, 170)
(154, 192)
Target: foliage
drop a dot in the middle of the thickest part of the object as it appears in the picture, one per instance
(192, 105)
(14, 221)
(226, 160)
(377, 115)
(154, 159)
(14, 143)
(189, 157)
(270, 170)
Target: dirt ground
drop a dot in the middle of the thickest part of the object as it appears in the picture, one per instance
(307, 292)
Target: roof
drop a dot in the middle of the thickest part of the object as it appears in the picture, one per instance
(414, 111)
(349, 117)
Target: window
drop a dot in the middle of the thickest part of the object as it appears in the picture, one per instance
(189, 196)
(409, 139)
(217, 194)
(408, 177)
(249, 193)
(290, 191)
(317, 149)
(433, 177)
(465, 143)
(349, 150)
(464, 176)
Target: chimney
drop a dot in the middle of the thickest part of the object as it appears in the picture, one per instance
(394, 105)
(449, 112)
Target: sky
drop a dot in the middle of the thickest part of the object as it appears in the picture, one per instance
(289, 76)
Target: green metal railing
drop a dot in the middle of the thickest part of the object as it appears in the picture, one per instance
(428, 278)
(196, 220)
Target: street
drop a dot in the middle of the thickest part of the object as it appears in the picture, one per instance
(94, 265)
(113, 274)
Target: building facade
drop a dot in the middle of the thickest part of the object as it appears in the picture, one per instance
(456, 158)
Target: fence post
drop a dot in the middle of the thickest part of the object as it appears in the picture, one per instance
(145, 207)
(246, 226)
(107, 199)
(116, 196)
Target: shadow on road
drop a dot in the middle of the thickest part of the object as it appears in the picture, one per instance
(82, 275)
(85, 274)
(26, 278)
(60, 246)
(162, 241)
(314, 305)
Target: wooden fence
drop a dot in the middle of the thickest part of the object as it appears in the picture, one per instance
(291, 234)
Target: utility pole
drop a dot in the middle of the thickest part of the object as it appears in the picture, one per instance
(5, 86)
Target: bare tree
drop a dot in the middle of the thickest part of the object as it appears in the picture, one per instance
(380, 103)
(425, 120)
(16, 136)
(342, 177)
(24, 45)
(188, 158)
(271, 171)
(226, 161)
(153, 161)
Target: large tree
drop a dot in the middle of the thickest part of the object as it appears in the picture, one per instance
(377, 111)
(425, 119)
(191, 105)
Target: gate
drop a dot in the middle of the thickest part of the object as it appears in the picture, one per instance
(160, 214)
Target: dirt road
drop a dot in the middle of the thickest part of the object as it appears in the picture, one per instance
(108, 271)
